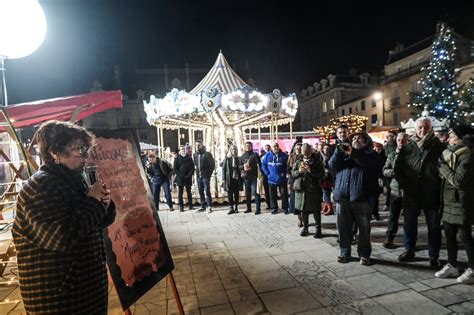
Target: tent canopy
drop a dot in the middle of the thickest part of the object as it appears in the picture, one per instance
(63, 108)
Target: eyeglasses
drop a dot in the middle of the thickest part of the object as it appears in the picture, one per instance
(83, 150)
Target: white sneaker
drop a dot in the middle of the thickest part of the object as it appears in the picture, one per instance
(466, 277)
(210, 210)
(448, 271)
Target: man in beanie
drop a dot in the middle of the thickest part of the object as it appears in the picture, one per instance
(417, 173)
(354, 166)
(456, 168)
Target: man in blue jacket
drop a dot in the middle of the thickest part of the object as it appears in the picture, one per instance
(354, 166)
(274, 165)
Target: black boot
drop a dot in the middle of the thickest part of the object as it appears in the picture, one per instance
(236, 209)
(231, 211)
(318, 233)
(304, 231)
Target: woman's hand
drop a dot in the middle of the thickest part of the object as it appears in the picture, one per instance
(95, 191)
(105, 196)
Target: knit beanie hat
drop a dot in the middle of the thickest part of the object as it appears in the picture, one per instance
(462, 130)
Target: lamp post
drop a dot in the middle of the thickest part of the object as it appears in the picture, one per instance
(377, 96)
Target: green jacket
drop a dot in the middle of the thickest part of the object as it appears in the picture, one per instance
(310, 197)
(389, 174)
(457, 173)
(417, 173)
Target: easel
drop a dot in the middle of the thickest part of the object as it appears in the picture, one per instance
(175, 293)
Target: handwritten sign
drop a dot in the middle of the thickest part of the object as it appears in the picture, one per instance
(137, 253)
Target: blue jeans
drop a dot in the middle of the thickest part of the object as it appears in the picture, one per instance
(204, 185)
(410, 230)
(157, 183)
(347, 213)
(251, 189)
(292, 201)
(327, 195)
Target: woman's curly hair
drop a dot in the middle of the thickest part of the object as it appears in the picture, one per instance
(55, 135)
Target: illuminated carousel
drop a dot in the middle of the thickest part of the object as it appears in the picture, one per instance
(224, 108)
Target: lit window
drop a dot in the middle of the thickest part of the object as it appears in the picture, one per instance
(333, 104)
(325, 107)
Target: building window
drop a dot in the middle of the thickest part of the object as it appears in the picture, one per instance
(416, 86)
(362, 105)
(395, 101)
(350, 110)
(418, 60)
(333, 104)
(357, 108)
(399, 69)
(374, 103)
(126, 118)
(325, 107)
(395, 119)
(143, 135)
(342, 112)
(408, 65)
(374, 120)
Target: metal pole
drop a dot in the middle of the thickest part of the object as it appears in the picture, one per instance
(291, 129)
(4, 81)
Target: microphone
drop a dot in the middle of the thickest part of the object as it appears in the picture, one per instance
(91, 172)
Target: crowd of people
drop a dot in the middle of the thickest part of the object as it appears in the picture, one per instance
(426, 171)
(60, 218)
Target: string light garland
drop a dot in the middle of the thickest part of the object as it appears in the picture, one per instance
(355, 123)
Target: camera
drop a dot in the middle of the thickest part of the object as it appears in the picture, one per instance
(344, 146)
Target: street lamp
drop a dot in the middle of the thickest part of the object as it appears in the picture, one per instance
(377, 96)
(22, 30)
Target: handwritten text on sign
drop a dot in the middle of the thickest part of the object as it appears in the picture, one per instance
(135, 239)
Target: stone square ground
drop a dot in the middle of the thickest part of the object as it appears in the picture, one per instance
(248, 264)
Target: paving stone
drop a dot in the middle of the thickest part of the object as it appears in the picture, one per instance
(288, 301)
(449, 295)
(438, 283)
(253, 306)
(249, 252)
(257, 265)
(217, 310)
(366, 306)
(236, 281)
(375, 284)
(410, 302)
(418, 286)
(208, 286)
(463, 308)
(241, 294)
(212, 298)
(272, 280)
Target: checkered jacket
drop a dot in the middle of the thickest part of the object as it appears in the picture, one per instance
(60, 246)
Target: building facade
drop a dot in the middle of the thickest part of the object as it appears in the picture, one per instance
(319, 103)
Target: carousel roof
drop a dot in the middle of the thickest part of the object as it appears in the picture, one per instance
(221, 76)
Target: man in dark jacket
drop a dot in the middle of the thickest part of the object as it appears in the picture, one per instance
(160, 172)
(389, 147)
(251, 163)
(395, 192)
(274, 165)
(205, 165)
(354, 167)
(417, 173)
(184, 170)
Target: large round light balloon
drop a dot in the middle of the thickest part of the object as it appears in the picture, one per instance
(22, 27)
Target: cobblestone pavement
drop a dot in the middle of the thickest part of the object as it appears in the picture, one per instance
(248, 264)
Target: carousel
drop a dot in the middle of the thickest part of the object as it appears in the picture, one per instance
(223, 109)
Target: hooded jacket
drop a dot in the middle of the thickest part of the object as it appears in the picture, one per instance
(275, 167)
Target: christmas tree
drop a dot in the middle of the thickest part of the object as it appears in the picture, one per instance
(439, 88)
(466, 108)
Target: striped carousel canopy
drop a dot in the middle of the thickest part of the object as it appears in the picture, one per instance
(221, 76)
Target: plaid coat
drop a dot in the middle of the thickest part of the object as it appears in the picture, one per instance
(60, 246)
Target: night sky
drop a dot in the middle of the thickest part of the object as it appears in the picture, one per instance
(286, 44)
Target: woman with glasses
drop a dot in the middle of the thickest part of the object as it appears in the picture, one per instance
(58, 229)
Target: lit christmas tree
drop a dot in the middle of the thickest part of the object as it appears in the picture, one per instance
(439, 88)
(466, 108)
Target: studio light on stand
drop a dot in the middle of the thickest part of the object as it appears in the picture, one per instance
(22, 30)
